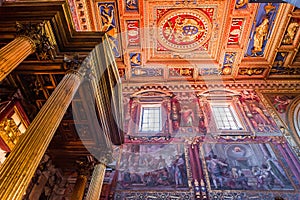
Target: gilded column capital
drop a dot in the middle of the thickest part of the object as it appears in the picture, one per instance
(79, 65)
(36, 35)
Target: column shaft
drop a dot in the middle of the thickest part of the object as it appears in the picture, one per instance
(20, 166)
(79, 188)
(12, 54)
(95, 187)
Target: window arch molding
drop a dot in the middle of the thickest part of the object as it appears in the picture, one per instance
(294, 119)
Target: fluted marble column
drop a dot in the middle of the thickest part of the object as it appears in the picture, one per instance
(21, 164)
(95, 187)
(29, 38)
(79, 187)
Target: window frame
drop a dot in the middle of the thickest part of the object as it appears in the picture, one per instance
(141, 117)
(233, 114)
(236, 113)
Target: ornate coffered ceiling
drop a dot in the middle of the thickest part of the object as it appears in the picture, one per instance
(196, 40)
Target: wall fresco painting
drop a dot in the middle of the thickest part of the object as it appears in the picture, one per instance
(153, 167)
(109, 25)
(133, 33)
(281, 103)
(245, 166)
(257, 114)
(262, 28)
(186, 117)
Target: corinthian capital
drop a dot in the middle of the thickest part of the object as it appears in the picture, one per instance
(35, 33)
(79, 64)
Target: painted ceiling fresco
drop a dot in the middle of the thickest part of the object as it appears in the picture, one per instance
(196, 40)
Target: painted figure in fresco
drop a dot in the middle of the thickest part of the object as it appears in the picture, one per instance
(161, 163)
(260, 36)
(174, 117)
(163, 178)
(126, 178)
(201, 125)
(187, 116)
(267, 175)
(215, 169)
(178, 176)
(281, 103)
(258, 115)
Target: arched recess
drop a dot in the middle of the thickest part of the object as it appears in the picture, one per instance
(294, 119)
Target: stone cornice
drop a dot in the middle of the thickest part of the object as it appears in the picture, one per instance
(199, 86)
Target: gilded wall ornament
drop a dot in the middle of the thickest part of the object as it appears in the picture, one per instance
(290, 33)
(251, 71)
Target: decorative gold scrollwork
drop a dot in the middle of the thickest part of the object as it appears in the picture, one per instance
(9, 132)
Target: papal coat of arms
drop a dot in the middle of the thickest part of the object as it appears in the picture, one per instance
(184, 30)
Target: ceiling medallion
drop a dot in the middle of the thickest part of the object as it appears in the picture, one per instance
(184, 30)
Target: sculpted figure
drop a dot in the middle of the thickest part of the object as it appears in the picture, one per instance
(260, 36)
(291, 31)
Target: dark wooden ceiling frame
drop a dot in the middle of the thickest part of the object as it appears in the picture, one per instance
(68, 41)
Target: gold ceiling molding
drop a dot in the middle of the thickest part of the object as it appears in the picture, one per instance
(200, 86)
